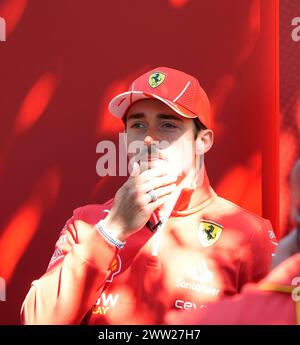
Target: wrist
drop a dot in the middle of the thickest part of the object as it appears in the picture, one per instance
(109, 236)
(114, 229)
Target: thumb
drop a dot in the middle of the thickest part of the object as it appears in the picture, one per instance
(135, 170)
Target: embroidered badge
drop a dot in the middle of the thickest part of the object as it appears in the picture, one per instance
(209, 232)
(156, 79)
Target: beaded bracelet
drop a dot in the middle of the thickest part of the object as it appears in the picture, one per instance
(119, 244)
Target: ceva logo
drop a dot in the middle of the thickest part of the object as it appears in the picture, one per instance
(2, 30)
(2, 290)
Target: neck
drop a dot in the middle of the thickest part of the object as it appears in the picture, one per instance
(192, 193)
(198, 192)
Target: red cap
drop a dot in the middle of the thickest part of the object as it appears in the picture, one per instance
(178, 90)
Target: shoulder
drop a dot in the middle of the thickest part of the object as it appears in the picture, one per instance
(243, 222)
(240, 214)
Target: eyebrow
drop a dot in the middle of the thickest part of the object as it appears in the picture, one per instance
(135, 116)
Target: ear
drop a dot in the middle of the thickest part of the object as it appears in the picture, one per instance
(205, 140)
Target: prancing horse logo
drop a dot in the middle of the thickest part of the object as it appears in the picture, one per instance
(156, 79)
(209, 232)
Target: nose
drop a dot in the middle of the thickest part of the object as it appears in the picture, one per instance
(151, 144)
(149, 140)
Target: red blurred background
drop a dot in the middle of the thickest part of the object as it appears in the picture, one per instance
(61, 63)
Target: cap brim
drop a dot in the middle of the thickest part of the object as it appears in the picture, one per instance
(119, 105)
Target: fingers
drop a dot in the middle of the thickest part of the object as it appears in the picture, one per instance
(159, 192)
(157, 182)
(152, 206)
(147, 175)
(135, 170)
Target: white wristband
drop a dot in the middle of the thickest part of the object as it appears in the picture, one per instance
(119, 244)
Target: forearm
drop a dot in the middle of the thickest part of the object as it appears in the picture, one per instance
(66, 293)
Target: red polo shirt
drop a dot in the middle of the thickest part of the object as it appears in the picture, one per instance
(202, 254)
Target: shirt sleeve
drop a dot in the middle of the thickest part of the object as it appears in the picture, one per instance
(74, 278)
(256, 257)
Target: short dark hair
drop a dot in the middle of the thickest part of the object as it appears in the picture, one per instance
(199, 126)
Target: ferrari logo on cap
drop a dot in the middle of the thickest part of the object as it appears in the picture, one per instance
(156, 79)
(209, 232)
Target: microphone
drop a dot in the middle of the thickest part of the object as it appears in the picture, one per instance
(153, 227)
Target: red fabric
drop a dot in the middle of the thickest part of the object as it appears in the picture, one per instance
(89, 281)
(176, 87)
(253, 305)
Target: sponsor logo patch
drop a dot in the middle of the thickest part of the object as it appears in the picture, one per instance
(156, 79)
(115, 268)
(200, 287)
(104, 303)
(201, 272)
(209, 232)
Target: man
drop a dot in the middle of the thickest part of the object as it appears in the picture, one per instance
(295, 196)
(166, 240)
(290, 244)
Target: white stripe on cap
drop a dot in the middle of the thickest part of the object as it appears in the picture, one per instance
(182, 92)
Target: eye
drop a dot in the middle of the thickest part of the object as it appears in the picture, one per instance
(137, 125)
(169, 125)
